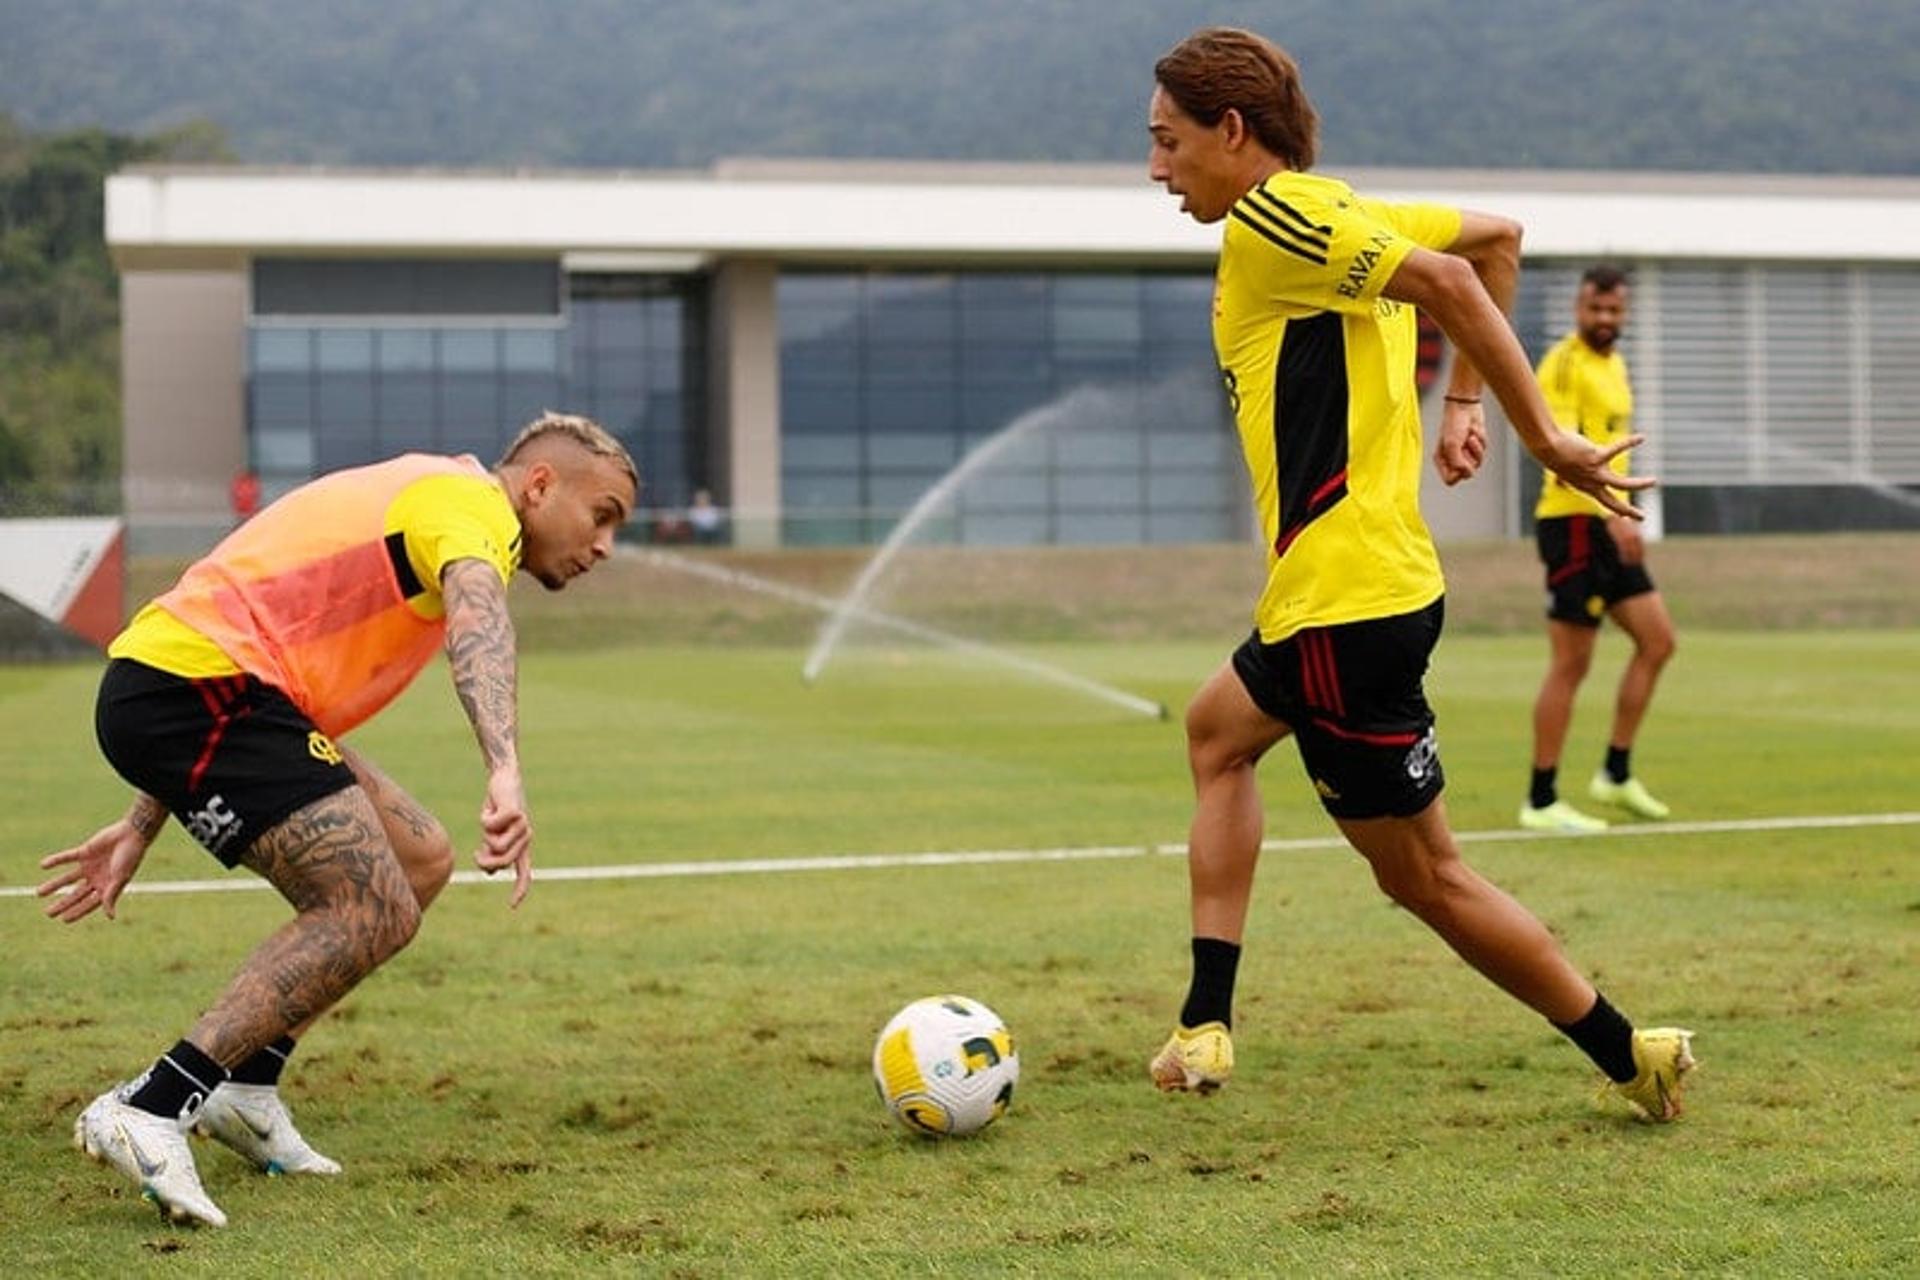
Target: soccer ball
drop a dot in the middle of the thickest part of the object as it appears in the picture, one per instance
(946, 1066)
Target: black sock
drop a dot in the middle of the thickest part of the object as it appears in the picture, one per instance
(178, 1083)
(1210, 998)
(1617, 763)
(264, 1066)
(1606, 1037)
(1541, 792)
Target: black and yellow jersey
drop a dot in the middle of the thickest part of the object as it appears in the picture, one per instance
(1320, 369)
(1589, 395)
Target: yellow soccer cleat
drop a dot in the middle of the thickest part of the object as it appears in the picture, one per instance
(1629, 795)
(1663, 1055)
(1194, 1058)
(1561, 817)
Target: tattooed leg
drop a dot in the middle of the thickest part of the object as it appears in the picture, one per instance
(423, 846)
(355, 909)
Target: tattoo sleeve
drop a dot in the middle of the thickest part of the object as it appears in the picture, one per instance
(480, 648)
(146, 816)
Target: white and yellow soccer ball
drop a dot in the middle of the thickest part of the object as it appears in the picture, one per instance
(946, 1066)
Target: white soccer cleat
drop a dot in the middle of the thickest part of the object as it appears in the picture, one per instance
(150, 1149)
(251, 1119)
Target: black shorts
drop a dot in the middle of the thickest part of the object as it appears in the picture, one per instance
(1584, 575)
(1353, 698)
(228, 756)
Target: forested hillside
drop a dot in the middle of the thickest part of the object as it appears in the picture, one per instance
(59, 313)
(1766, 85)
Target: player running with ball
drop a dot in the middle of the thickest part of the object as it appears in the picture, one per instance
(1313, 323)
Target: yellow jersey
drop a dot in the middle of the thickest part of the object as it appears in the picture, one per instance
(296, 596)
(1589, 395)
(1320, 370)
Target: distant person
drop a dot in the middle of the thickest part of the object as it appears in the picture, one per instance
(1595, 567)
(705, 519)
(243, 494)
(223, 703)
(1313, 324)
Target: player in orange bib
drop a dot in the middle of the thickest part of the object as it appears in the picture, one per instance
(223, 703)
(1314, 326)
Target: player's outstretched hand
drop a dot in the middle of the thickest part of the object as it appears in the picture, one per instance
(1583, 465)
(94, 872)
(1463, 442)
(506, 832)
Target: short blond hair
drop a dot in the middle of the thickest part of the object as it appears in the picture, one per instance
(584, 432)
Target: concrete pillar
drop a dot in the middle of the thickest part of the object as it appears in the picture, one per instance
(744, 438)
(183, 404)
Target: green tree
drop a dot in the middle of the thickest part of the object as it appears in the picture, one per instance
(59, 309)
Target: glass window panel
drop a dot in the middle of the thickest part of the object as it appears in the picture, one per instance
(895, 493)
(1186, 489)
(1088, 366)
(283, 450)
(820, 452)
(468, 350)
(911, 324)
(1215, 449)
(888, 449)
(990, 289)
(820, 361)
(1000, 491)
(524, 397)
(1007, 324)
(987, 408)
(1020, 362)
(1113, 325)
(337, 447)
(1190, 526)
(663, 368)
(1005, 530)
(1090, 527)
(836, 491)
(1103, 291)
(805, 408)
(530, 350)
(618, 326)
(890, 408)
(405, 350)
(283, 399)
(1098, 490)
(1087, 447)
(887, 290)
(343, 350)
(911, 362)
(467, 398)
(344, 398)
(408, 437)
(839, 293)
(477, 436)
(282, 350)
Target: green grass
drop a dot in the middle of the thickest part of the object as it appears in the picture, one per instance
(670, 1076)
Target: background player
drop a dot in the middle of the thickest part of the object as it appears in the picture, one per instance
(1595, 566)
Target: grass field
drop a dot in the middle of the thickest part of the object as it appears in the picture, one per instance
(670, 1075)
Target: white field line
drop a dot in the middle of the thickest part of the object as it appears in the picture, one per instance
(868, 861)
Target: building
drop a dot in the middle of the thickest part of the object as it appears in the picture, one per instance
(820, 343)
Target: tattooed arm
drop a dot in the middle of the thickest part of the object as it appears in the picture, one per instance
(99, 869)
(480, 648)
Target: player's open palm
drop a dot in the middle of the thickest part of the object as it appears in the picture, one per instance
(506, 831)
(92, 875)
(1584, 466)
